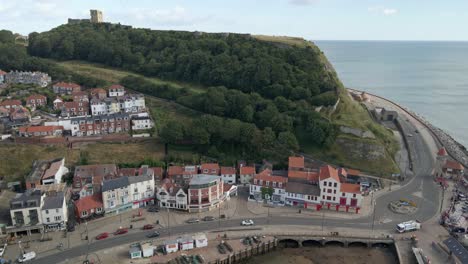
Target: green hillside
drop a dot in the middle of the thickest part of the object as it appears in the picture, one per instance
(226, 96)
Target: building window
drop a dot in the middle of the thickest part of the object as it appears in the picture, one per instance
(334, 191)
(84, 213)
(267, 183)
(99, 209)
(343, 194)
(333, 198)
(329, 191)
(329, 184)
(56, 210)
(280, 184)
(58, 218)
(48, 220)
(354, 195)
(336, 184)
(47, 211)
(274, 184)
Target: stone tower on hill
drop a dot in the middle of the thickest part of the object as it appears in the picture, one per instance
(96, 16)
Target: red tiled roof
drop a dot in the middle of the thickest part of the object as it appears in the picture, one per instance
(296, 162)
(128, 171)
(80, 93)
(247, 170)
(116, 86)
(89, 202)
(329, 172)
(10, 102)
(175, 170)
(442, 152)
(35, 97)
(34, 129)
(228, 170)
(209, 166)
(158, 171)
(267, 175)
(2, 72)
(354, 172)
(450, 164)
(311, 176)
(67, 85)
(52, 170)
(350, 188)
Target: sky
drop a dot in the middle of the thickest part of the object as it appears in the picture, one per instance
(311, 19)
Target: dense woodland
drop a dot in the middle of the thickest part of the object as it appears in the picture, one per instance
(259, 95)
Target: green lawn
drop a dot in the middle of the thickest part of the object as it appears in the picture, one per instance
(113, 75)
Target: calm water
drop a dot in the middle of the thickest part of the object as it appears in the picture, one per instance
(431, 78)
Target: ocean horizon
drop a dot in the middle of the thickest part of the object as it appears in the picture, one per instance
(428, 77)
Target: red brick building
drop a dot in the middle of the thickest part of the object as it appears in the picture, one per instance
(36, 100)
(205, 192)
(66, 88)
(89, 206)
(40, 131)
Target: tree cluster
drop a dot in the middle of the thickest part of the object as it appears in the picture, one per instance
(234, 61)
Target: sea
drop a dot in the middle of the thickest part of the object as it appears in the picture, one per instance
(430, 78)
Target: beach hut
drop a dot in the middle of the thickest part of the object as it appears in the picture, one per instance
(200, 240)
(147, 249)
(135, 252)
(171, 246)
(185, 243)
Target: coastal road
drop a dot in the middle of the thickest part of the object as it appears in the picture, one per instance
(419, 188)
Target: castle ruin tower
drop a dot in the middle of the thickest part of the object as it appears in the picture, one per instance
(96, 16)
(440, 162)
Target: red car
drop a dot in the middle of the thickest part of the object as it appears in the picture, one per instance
(148, 227)
(121, 231)
(102, 236)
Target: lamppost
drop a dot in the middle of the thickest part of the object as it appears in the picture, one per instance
(373, 213)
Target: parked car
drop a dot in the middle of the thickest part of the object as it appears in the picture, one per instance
(208, 218)
(458, 230)
(148, 227)
(102, 236)
(248, 222)
(153, 234)
(153, 209)
(193, 221)
(27, 257)
(2, 249)
(121, 231)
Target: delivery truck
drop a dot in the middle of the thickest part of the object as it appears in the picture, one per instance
(412, 225)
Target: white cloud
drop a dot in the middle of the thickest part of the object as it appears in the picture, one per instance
(380, 10)
(303, 2)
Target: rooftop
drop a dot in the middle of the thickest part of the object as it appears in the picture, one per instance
(267, 175)
(328, 171)
(228, 170)
(53, 201)
(43, 169)
(200, 179)
(30, 198)
(350, 188)
(303, 188)
(89, 202)
(296, 162)
(247, 170)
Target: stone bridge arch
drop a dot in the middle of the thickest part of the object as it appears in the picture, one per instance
(335, 243)
(289, 243)
(311, 243)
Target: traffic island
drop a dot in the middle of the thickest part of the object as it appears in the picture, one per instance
(403, 207)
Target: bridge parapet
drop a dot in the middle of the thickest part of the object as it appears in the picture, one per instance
(304, 240)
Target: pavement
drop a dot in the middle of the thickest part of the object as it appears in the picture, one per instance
(418, 187)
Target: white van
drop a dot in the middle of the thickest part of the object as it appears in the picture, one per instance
(27, 257)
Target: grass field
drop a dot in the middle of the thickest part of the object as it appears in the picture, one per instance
(113, 75)
(16, 160)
